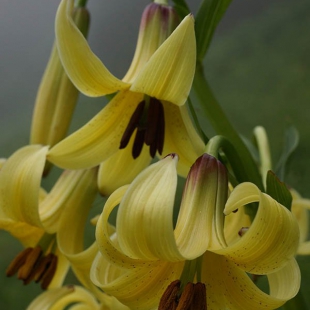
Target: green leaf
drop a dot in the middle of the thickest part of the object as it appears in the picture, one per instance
(278, 190)
(181, 7)
(291, 140)
(209, 15)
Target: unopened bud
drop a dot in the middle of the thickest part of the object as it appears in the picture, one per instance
(56, 97)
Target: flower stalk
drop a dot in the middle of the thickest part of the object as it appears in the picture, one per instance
(221, 124)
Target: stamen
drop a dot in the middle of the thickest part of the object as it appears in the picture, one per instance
(17, 262)
(25, 270)
(30, 265)
(186, 298)
(138, 143)
(169, 299)
(193, 297)
(149, 121)
(132, 125)
(243, 231)
(49, 273)
(200, 297)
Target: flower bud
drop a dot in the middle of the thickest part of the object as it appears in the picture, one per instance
(204, 196)
(56, 97)
(157, 23)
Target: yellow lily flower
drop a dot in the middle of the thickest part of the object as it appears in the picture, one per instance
(148, 252)
(150, 99)
(61, 298)
(33, 217)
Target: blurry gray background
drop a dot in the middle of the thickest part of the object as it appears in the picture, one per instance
(258, 66)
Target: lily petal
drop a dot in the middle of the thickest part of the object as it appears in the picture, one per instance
(20, 179)
(99, 138)
(84, 299)
(228, 287)
(146, 211)
(181, 137)
(137, 288)
(27, 234)
(121, 168)
(46, 300)
(268, 245)
(83, 67)
(70, 231)
(108, 248)
(65, 191)
(167, 76)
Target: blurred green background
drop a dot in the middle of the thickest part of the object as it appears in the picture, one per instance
(258, 66)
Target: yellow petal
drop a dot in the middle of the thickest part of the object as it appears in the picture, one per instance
(69, 189)
(99, 138)
(80, 297)
(121, 168)
(108, 247)
(271, 240)
(85, 70)
(228, 287)
(20, 179)
(169, 73)
(27, 234)
(144, 223)
(181, 137)
(46, 300)
(70, 234)
(138, 288)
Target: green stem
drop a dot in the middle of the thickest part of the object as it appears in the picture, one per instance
(81, 3)
(218, 143)
(297, 303)
(222, 126)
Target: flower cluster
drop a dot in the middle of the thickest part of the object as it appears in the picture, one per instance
(234, 223)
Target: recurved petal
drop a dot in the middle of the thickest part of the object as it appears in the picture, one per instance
(228, 287)
(271, 240)
(121, 168)
(138, 288)
(181, 137)
(169, 73)
(99, 138)
(107, 245)
(83, 67)
(20, 179)
(72, 222)
(69, 189)
(47, 299)
(27, 234)
(144, 222)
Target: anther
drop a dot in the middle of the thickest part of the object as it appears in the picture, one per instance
(149, 122)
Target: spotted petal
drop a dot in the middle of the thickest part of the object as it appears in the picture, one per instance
(169, 73)
(229, 287)
(139, 287)
(83, 67)
(271, 240)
